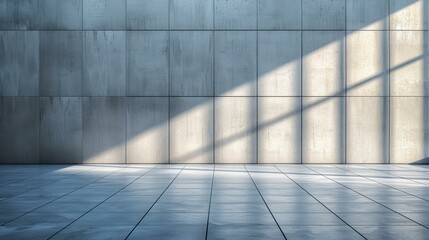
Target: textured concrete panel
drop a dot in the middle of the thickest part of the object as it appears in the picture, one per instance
(323, 63)
(19, 130)
(235, 130)
(60, 14)
(409, 15)
(409, 58)
(19, 63)
(103, 14)
(104, 129)
(235, 63)
(191, 63)
(324, 14)
(323, 130)
(279, 63)
(61, 130)
(61, 63)
(147, 130)
(147, 14)
(104, 63)
(191, 130)
(368, 63)
(19, 15)
(367, 15)
(279, 15)
(237, 14)
(368, 133)
(409, 130)
(279, 124)
(147, 63)
(191, 14)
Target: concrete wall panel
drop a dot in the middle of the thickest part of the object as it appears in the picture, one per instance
(279, 15)
(19, 63)
(104, 63)
(237, 14)
(104, 14)
(147, 130)
(61, 130)
(409, 15)
(367, 15)
(19, 15)
(147, 14)
(191, 14)
(19, 130)
(279, 125)
(324, 14)
(60, 14)
(191, 130)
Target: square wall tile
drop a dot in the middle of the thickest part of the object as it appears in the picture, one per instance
(104, 14)
(409, 15)
(61, 130)
(279, 63)
(236, 14)
(191, 63)
(104, 63)
(191, 14)
(60, 14)
(148, 63)
(323, 130)
(323, 63)
(235, 130)
(279, 15)
(279, 125)
(235, 63)
(147, 14)
(324, 14)
(19, 130)
(368, 15)
(191, 130)
(147, 130)
(19, 15)
(19, 64)
(104, 129)
(60, 63)
(368, 63)
(368, 133)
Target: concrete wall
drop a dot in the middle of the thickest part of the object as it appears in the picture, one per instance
(223, 81)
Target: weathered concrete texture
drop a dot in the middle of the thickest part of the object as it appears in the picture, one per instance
(324, 14)
(61, 63)
(191, 63)
(279, 124)
(19, 63)
(237, 14)
(367, 130)
(61, 130)
(235, 63)
(104, 14)
(409, 15)
(409, 130)
(235, 130)
(279, 63)
(191, 130)
(323, 130)
(367, 15)
(60, 15)
(104, 63)
(147, 14)
(368, 63)
(409, 59)
(147, 130)
(279, 15)
(19, 130)
(104, 129)
(19, 15)
(323, 63)
(191, 14)
(147, 54)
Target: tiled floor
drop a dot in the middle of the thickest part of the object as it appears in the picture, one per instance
(214, 202)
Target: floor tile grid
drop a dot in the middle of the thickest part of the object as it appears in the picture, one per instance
(281, 230)
(141, 219)
(346, 223)
(22, 179)
(396, 175)
(210, 201)
(370, 198)
(98, 204)
(61, 196)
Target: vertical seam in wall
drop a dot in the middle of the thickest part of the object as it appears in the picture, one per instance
(126, 82)
(302, 79)
(81, 94)
(388, 76)
(39, 99)
(169, 84)
(214, 86)
(345, 83)
(257, 82)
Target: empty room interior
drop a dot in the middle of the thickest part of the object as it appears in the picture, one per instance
(214, 119)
